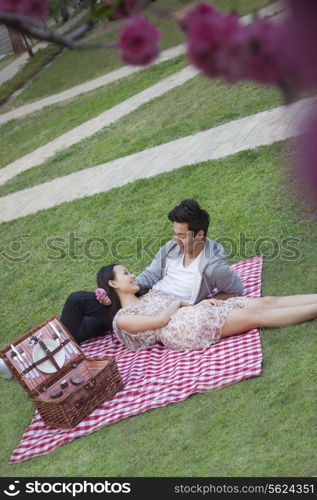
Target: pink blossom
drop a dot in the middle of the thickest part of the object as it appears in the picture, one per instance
(212, 39)
(124, 8)
(261, 59)
(138, 41)
(300, 41)
(99, 292)
(195, 15)
(307, 155)
(32, 8)
(10, 6)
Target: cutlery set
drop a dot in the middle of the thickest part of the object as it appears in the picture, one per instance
(23, 358)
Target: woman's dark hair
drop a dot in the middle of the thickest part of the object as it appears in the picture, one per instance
(105, 274)
(189, 211)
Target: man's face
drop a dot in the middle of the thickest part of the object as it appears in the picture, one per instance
(185, 238)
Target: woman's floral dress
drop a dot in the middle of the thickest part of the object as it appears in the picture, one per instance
(192, 327)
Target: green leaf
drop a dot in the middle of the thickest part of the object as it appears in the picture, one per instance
(102, 12)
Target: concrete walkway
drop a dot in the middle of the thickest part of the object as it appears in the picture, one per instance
(94, 125)
(273, 10)
(246, 133)
(90, 127)
(83, 88)
(13, 68)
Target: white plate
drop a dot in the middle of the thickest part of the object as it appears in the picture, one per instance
(39, 353)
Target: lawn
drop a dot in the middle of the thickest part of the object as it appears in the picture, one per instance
(74, 67)
(259, 427)
(32, 67)
(6, 60)
(21, 136)
(197, 105)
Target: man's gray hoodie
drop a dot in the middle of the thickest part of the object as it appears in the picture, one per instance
(214, 272)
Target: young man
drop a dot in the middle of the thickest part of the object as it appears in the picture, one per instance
(189, 266)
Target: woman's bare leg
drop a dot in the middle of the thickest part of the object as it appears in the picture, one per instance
(286, 301)
(242, 320)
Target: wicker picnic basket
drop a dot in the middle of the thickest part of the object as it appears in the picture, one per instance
(63, 384)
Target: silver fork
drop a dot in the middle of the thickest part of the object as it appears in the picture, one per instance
(28, 363)
(59, 340)
(19, 360)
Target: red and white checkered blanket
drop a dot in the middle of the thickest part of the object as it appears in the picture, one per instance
(158, 376)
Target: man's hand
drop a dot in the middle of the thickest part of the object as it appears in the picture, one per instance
(104, 299)
(210, 302)
(225, 296)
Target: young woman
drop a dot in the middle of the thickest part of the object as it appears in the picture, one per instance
(159, 317)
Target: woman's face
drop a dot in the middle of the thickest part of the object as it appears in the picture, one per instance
(124, 281)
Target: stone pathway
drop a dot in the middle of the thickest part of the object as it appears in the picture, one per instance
(246, 133)
(83, 88)
(274, 9)
(13, 68)
(90, 127)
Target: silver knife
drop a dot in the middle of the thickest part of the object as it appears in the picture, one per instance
(68, 346)
(19, 357)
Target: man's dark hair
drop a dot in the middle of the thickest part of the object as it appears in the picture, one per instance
(189, 211)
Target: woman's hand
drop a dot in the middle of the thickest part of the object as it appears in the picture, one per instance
(211, 302)
(103, 299)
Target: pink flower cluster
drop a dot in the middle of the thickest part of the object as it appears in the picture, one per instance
(306, 156)
(211, 38)
(138, 41)
(219, 45)
(284, 54)
(99, 292)
(32, 8)
(300, 41)
(300, 47)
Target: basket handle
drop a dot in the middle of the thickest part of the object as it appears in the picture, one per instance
(90, 393)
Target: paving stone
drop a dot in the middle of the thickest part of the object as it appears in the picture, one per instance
(13, 68)
(272, 10)
(96, 124)
(246, 133)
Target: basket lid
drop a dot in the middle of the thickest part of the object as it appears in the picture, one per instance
(42, 356)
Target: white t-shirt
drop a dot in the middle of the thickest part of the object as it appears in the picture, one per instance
(180, 280)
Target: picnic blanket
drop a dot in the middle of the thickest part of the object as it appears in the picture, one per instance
(158, 376)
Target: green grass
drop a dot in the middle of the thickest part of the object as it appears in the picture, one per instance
(259, 427)
(31, 68)
(6, 60)
(194, 106)
(21, 136)
(241, 7)
(75, 67)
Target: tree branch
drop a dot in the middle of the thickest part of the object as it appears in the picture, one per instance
(39, 30)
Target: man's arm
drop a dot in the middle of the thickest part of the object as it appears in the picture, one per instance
(225, 296)
(151, 275)
(154, 272)
(227, 281)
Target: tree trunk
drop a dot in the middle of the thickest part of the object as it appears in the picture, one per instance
(16, 41)
(27, 45)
